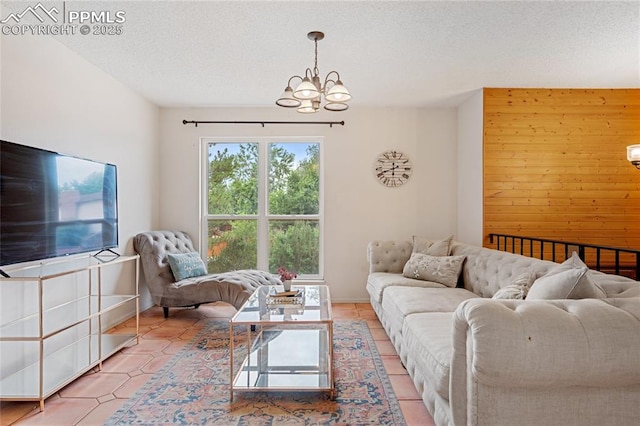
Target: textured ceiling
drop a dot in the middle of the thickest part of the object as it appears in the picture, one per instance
(396, 54)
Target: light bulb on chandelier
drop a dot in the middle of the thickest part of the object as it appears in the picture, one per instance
(308, 95)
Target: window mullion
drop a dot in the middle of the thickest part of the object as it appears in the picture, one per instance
(263, 224)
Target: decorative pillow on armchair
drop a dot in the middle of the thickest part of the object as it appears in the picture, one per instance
(440, 269)
(186, 265)
(566, 281)
(432, 248)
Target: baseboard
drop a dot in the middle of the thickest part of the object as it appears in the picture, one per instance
(125, 316)
(303, 281)
(338, 300)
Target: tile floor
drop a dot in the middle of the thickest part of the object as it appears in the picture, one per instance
(91, 399)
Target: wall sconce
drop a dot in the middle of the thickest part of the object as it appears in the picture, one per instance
(633, 155)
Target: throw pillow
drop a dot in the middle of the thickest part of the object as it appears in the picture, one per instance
(566, 281)
(511, 291)
(186, 265)
(440, 269)
(571, 263)
(518, 288)
(432, 248)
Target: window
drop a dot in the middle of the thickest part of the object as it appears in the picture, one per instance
(262, 205)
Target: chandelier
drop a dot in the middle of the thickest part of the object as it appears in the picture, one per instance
(307, 96)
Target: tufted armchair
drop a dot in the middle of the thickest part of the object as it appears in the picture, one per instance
(233, 287)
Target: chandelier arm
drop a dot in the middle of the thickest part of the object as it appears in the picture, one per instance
(308, 73)
(291, 78)
(327, 79)
(333, 72)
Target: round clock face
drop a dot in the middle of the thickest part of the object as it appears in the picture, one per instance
(393, 168)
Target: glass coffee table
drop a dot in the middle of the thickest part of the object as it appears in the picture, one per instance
(292, 347)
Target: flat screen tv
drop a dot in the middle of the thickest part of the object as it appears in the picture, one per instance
(54, 205)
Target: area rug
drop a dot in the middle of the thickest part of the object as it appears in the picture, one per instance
(193, 387)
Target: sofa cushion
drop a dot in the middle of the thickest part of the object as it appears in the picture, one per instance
(518, 288)
(432, 248)
(186, 265)
(568, 280)
(398, 302)
(441, 269)
(428, 338)
(377, 282)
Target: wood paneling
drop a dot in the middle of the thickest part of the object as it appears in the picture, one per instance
(555, 165)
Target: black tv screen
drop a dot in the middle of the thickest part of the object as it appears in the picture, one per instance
(54, 205)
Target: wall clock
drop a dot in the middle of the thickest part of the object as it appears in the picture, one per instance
(392, 168)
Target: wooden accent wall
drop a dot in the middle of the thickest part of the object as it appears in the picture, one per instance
(555, 165)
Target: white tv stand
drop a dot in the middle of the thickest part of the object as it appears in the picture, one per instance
(51, 323)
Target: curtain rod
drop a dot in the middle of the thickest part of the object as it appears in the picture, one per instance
(330, 123)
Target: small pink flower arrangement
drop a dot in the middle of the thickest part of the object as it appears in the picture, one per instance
(286, 275)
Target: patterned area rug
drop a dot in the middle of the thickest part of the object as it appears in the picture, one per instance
(193, 387)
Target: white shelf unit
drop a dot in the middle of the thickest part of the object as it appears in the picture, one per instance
(56, 333)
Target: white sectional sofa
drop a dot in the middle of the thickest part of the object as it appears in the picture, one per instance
(482, 361)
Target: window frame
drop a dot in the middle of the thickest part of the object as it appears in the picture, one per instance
(262, 217)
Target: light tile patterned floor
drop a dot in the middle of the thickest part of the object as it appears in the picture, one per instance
(91, 399)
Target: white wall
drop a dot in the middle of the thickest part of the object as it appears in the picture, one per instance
(357, 208)
(54, 99)
(470, 174)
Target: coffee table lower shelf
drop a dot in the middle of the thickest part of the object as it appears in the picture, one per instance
(287, 359)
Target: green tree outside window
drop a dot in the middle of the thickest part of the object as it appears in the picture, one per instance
(293, 207)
